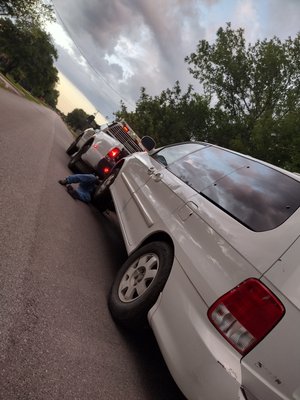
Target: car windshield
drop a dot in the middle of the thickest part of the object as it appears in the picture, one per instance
(258, 196)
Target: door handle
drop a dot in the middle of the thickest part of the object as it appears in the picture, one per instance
(157, 176)
(151, 170)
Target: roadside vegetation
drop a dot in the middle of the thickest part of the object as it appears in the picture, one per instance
(79, 120)
(250, 100)
(27, 53)
(27, 11)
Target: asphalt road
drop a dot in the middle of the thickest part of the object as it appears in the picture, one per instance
(58, 258)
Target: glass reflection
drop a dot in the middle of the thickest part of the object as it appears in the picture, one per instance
(260, 197)
(169, 155)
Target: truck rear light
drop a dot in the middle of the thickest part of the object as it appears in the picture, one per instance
(114, 153)
(246, 314)
(125, 128)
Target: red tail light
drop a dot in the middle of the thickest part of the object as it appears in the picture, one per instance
(106, 170)
(114, 153)
(246, 314)
(125, 128)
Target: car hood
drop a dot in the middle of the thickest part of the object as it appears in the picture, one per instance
(285, 273)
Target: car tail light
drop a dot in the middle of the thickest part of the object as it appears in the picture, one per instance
(246, 314)
(114, 153)
(106, 170)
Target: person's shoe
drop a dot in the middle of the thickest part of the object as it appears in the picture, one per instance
(63, 182)
(72, 192)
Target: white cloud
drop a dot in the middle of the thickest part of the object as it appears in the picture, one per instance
(61, 37)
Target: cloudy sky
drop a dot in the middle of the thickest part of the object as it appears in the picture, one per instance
(109, 49)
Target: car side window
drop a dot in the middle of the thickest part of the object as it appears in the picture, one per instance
(258, 196)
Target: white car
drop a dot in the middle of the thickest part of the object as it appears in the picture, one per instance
(98, 151)
(213, 243)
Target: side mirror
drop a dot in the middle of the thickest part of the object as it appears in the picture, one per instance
(148, 143)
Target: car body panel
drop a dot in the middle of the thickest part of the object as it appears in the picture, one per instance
(150, 189)
(220, 267)
(213, 253)
(285, 274)
(195, 353)
(271, 371)
(247, 242)
(133, 175)
(210, 262)
(102, 144)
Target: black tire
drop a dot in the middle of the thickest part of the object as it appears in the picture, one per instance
(102, 198)
(72, 149)
(75, 160)
(139, 283)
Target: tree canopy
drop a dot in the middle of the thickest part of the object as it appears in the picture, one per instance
(27, 11)
(170, 117)
(257, 88)
(250, 100)
(28, 54)
(78, 119)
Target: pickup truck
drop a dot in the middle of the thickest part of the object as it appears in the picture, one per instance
(99, 151)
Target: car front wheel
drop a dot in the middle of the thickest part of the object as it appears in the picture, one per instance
(139, 283)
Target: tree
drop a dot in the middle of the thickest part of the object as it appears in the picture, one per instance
(78, 119)
(170, 117)
(255, 87)
(28, 55)
(251, 100)
(27, 11)
(51, 96)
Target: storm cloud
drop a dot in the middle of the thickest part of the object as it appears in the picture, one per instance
(135, 43)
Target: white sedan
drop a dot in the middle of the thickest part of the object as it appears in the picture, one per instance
(213, 243)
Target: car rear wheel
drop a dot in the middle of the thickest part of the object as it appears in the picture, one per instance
(75, 161)
(102, 197)
(139, 283)
(73, 146)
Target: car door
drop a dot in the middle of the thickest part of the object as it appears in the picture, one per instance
(147, 196)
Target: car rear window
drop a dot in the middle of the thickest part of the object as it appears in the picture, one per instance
(256, 195)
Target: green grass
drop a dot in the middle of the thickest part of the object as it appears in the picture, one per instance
(20, 89)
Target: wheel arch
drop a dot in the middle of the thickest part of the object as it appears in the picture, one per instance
(88, 142)
(158, 236)
(119, 164)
